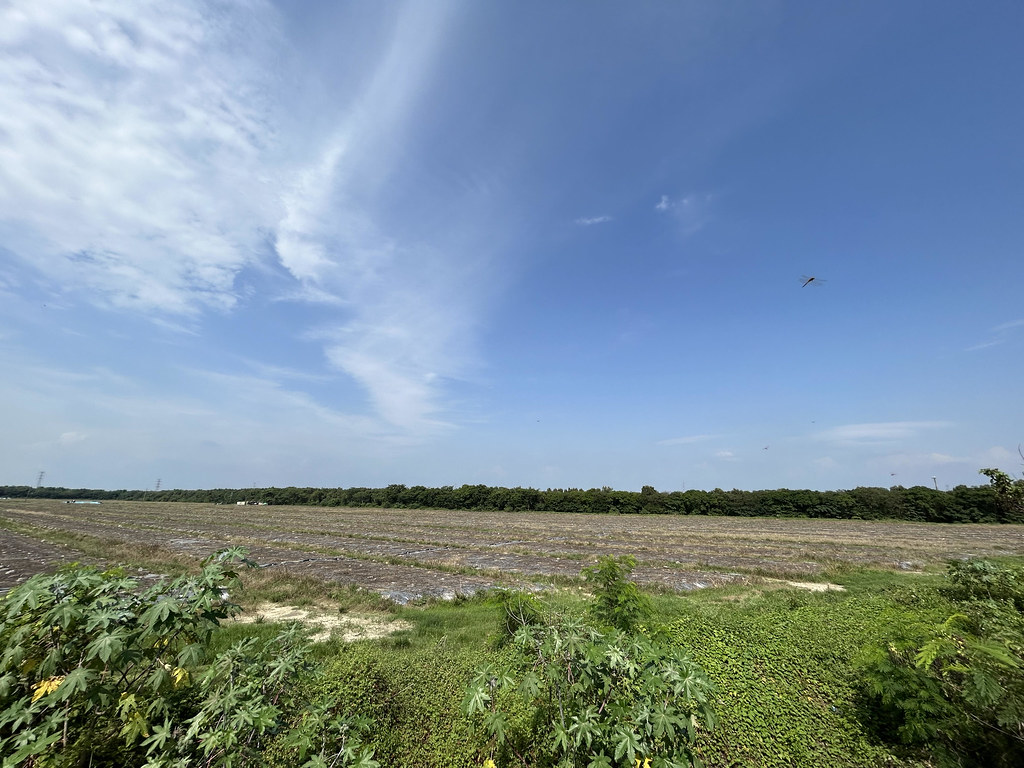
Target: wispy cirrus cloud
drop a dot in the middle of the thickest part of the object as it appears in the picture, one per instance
(145, 163)
(239, 428)
(878, 432)
(585, 221)
(687, 440)
(131, 166)
(406, 313)
(1000, 334)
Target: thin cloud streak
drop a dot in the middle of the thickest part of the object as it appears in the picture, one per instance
(407, 323)
(72, 421)
(1002, 334)
(689, 440)
(878, 432)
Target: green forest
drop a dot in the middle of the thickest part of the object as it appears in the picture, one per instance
(962, 504)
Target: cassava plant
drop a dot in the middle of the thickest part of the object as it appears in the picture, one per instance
(100, 671)
(618, 602)
(599, 699)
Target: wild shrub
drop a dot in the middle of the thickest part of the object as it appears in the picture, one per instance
(618, 602)
(956, 687)
(520, 610)
(599, 699)
(412, 693)
(99, 671)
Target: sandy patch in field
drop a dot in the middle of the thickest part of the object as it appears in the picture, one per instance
(348, 627)
(811, 586)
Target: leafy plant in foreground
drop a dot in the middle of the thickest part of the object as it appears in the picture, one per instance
(600, 699)
(618, 602)
(958, 686)
(98, 671)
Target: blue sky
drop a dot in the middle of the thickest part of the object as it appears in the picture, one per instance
(511, 243)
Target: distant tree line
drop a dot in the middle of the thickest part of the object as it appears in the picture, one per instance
(963, 504)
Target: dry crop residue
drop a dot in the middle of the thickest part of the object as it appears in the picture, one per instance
(409, 554)
(325, 624)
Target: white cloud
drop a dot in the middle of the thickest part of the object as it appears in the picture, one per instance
(70, 438)
(878, 432)
(999, 454)
(589, 222)
(1008, 326)
(141, 167)
(688, 440)
(131, 163)
(725, 455)
(236, 429)
(409, 309)
(1000, 335)
(692, 212)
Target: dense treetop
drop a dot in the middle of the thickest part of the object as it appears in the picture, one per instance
(962, 504)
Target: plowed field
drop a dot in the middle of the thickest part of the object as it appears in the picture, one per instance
(405, 554)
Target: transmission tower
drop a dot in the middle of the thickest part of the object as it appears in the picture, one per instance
(157, 484)
(39, 480)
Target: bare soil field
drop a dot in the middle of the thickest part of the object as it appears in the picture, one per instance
(407, 554)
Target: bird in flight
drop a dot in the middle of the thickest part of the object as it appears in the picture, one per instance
(810, 280)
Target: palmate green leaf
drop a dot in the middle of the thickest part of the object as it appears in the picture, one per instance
(159, 679)
(17, 714)
(14, 655)
(476, 700)
(64, 615)
(135, 727)
(561, 738)
(160, 611)
(585, 727)
(365, 760)
(191, 655)
(627, 743)
(7, 682)
(35, 747)
(529, 686)
(495, 723)
(27, 596)
(105, 646)
(664, 724)
(76, 681)
(104, 618)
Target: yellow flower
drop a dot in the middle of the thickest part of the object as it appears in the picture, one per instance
(647, 763)
(488, 763)
(43, 687)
